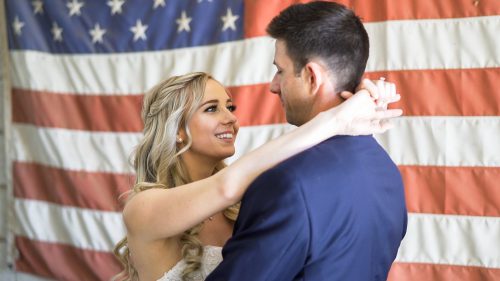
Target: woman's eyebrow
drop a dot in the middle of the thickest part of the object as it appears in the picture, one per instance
(210, 101)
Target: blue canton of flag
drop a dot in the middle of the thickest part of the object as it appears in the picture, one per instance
(121, 26)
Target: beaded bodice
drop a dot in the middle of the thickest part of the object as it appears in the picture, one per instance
(212, 256)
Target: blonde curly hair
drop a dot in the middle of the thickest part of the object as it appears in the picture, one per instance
(168, 107)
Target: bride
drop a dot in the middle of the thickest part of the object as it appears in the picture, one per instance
(184, 202)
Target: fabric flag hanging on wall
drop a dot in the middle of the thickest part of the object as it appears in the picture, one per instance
(80, 67)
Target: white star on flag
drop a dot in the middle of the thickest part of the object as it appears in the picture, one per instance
(116, 6)
(56, 32)
(139, 30)
(97, 33)
(74, 7)
(183, 22)
(37, 6)
(159, 3)
(229, 20)
(17, 25)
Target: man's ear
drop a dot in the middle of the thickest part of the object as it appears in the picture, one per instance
(315, 76)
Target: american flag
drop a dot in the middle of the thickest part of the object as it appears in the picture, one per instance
(78, 69)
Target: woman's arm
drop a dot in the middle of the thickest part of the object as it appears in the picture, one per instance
(356, 116)
(161, 213)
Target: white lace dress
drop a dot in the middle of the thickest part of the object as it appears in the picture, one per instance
(212, 256)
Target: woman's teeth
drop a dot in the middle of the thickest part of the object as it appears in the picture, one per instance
(224, 136)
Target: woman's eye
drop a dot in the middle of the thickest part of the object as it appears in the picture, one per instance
(212, 108)
(231, 108)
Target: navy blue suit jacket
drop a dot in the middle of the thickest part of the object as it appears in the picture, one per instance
(333, 212)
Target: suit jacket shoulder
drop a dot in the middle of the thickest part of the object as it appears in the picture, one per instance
(333, 212)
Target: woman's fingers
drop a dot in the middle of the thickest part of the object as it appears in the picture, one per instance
(383, 106)
(366, 110)
(387, 93)
(385, 125)
(379, 90)
(371, 87)
(346, 94)
(392, 89)
(387, 114)
(394, 98)
(380, 126)
(368, 85)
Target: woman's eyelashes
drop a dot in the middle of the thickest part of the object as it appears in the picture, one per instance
(214, 108)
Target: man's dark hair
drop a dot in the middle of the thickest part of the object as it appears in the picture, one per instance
(328, 31)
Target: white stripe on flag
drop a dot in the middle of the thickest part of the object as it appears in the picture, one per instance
(437, 141)
(134, 73)
(444, 141)
(434, 44)
(395, 45)
(74, 150)
(20, 276)
(430, 238)
(82, 228)
(453, 240)
(3, 249)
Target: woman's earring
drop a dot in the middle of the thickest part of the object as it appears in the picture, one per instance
(179, 140)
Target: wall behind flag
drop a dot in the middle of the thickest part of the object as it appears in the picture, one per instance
(5, 122)
(79, 70)
(3, 180)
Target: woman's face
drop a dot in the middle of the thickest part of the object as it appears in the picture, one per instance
(214, 126)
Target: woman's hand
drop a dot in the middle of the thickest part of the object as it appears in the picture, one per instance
(365, 112)
(382, 92)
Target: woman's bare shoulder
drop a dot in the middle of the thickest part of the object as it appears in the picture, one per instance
(140, 205)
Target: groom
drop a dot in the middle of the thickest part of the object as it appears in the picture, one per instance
(337, 210)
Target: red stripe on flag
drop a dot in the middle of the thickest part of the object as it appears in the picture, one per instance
(71, 188)
(429, 189)
(257, 105)
(452, 190)
(122, 113)
(423, 271)
(461, 92)
(78, 112)
(63, 262)
(259, 13)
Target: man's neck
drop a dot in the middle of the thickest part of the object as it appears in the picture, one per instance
(324, 102)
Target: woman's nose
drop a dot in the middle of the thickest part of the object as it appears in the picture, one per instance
(229, 117)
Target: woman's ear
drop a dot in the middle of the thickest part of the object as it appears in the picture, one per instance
(181, 136)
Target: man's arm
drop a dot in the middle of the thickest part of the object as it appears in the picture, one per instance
(271, 236)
